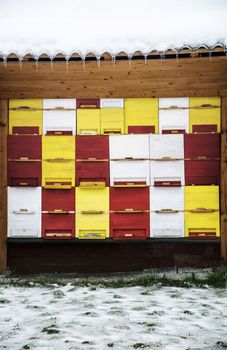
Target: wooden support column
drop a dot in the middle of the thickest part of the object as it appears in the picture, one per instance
(3, 183)
(224, 182)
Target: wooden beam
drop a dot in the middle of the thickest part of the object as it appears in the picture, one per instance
(168, 78)
(95, 257)
(3, 183)
(224, 181)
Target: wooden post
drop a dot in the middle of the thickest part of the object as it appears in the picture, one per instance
(3, 183)
(224, 181)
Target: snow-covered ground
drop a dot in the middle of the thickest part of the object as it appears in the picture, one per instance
(68, 317)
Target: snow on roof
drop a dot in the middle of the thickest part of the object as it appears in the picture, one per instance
(98, 26)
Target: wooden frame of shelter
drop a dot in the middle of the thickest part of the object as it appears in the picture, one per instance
(201, 72)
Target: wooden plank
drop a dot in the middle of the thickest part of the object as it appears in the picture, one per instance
(191, 77)
(224, 239)
(111, 74)
(223, 155)
(3, 183)
(95, 258)
(224, 181)
(189, 63)
(68, 92)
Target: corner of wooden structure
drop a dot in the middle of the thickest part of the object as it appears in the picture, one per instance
(224, 182)
(3, 183)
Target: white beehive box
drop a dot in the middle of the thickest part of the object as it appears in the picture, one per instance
(131, 172)
(167, 173)
(166, 146)
(129, 147)
(167, 216)
(173, 115)
(59, 116)
(24, 212)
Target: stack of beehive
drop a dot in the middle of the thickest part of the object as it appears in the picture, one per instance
(125, 169)
(24, 168)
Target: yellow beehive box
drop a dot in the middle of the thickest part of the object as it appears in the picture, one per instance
(202, 211)
(143, 113)
(88, 121)
(58, 168)
(205, 114)
(25, 116)
(112, 121)
(58, 174)
(92, 218)
(55, 147)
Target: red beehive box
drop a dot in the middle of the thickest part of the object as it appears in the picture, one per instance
(128, 225)
(92, 172)
(201, 146)
(88, 103)
(136, 198)
(92, 147)
(58, 226)
(58, 214)
(92, 155)
(141, 129)
(202, 172)
(58, 199)
(24, 173)
(24, 147)
(129, 217)
(24, 160)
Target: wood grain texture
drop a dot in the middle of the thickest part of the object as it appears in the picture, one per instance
(3, 182)
(190, 77)
(224, 181)
(115, 257)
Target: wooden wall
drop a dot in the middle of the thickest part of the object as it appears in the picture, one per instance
(99, 257)
(3, 182)
(224, 181)
(169, 78)
(190, 77)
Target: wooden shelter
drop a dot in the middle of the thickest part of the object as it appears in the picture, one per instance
(198, 72)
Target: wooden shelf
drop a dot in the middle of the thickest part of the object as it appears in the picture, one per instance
(110, 241)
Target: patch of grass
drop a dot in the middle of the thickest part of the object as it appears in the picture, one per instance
(221, 344)
(140, 346)
(188, 312)
(37, 281)
(4, 301)
(216, 278)
(58, 294)
(89, 313)
(93, 288)
(146, 292)
(116, 296)
(151, 325)
(138, 308)
(50, 330)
